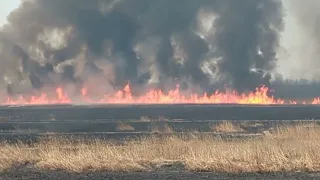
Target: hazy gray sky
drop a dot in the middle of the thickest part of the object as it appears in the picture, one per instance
(6, 7)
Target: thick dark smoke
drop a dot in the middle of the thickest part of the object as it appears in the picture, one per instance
(206, 43)
(247, 39)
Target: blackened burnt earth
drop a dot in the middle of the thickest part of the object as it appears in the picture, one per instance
(26, 173)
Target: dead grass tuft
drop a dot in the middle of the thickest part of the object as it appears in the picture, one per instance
(161, 128)
(292, 148)
(227, 127)
(299, 131)
(124, 127)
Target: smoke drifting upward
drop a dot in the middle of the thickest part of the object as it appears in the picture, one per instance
(301, 40)
(205, 43)
(247, 38)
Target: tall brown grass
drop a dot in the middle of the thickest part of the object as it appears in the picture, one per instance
(283, 149)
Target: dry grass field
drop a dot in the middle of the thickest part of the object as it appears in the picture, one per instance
(294, 148)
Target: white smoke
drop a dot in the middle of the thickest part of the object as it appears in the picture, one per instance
(300, 52)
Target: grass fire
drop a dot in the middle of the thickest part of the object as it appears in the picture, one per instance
(152, 96)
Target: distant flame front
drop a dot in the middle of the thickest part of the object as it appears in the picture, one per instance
(153, 96)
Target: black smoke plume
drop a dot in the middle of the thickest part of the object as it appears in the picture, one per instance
(208, 43)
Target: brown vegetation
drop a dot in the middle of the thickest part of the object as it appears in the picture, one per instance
(226, 127)
(124, 127)
(283, 149)
(161, 128)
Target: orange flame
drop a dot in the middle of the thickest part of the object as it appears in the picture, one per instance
(154, 96)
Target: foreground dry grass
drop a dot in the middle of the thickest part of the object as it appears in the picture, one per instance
(284, 149)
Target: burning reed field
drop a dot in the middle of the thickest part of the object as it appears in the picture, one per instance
(62, 59)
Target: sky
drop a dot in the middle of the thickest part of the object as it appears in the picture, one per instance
(6, 8)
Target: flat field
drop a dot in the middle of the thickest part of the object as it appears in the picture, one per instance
(280, 152)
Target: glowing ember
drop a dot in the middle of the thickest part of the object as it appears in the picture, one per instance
(153, 96)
